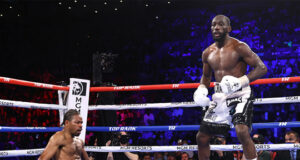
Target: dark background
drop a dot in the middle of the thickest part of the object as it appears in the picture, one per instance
(162, 43)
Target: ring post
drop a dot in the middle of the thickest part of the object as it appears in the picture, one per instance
(78, 99)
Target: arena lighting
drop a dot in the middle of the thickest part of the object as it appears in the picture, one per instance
(84, 6)
(10, 7)
(121, 1)
(96, 11)
(116, 9)
(105, 3)
(70, 7)
(146, 5)
(59, 3)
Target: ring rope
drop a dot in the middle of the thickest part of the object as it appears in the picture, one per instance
(238, 147)
(140, 87)
(257, 101)
(145, 128)
(188, 85)
(32, 84)
(9, 103)
(230, 147)
(21, 104)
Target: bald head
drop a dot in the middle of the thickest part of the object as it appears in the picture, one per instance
(223, 17)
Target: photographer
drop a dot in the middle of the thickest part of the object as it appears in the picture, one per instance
(220, 155)
(261, 155)
(120, 139)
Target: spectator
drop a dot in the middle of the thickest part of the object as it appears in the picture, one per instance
(261, 155)
(146, 156)
(189, 153)
(171, 156)
(158, 156)
(149, 118)
(184, 156)
(290, 137)
(220, 155)
(121, 139)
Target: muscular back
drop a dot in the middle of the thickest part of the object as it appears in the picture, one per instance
(226, 60)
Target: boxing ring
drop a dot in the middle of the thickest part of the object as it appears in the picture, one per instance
(38, 151)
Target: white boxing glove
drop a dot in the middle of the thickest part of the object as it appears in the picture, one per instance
(200, 96)
(230, 84)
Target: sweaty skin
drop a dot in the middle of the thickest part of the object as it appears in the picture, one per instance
(228, 56)
(231, 59)
(64, 145)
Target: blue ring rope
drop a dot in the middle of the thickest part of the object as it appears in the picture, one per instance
(145, 128)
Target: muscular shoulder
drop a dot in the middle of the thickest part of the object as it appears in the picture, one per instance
(240, 46)
(79, 143)
(207, 51)
(78, 140)
(58, 138)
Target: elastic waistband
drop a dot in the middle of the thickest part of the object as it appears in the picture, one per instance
(218, 88)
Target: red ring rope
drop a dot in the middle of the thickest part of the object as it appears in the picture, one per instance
(32, 84)
(140, 87)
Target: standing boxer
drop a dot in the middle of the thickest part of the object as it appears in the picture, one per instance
(232, 101)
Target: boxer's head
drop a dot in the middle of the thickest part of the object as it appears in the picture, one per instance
(220, 27)
(73, 122)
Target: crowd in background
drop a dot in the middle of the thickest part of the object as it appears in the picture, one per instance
(175, 58)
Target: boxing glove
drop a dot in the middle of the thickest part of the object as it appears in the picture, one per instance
(230, 84)
(200, 96)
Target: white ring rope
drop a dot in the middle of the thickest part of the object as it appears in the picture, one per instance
(231, 147)
(143, 106)
(35, 152)
(31, 105)
(9, 103)
(257, 101)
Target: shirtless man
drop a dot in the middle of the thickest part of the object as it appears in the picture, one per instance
(63, 144)
(232, 101)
